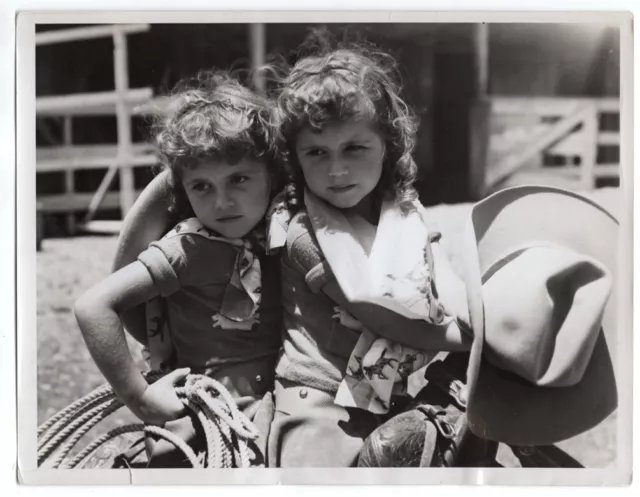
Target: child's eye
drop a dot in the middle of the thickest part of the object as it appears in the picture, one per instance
(355, 148)
(200, 187)
(315, 152)
(239, 179)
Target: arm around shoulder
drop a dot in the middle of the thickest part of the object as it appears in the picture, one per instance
(147, 221)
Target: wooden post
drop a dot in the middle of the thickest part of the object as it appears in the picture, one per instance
(480, 114)
(589, 150)
(39, 225)
(482, 58)
(454, 94)
(69, 183)
(120, 61)
(257, 47)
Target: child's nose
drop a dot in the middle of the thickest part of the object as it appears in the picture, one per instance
(337, 167)
(224, 200)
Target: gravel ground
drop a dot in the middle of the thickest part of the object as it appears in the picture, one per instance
(69, 266)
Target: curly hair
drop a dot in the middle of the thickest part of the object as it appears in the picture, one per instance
(213, 115)
(351, 82)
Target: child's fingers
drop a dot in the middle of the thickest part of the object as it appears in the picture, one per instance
(177, 375)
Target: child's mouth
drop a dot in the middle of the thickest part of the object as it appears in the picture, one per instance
(341, 189)
(228, 219)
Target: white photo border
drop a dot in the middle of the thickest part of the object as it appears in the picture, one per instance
(26, 264)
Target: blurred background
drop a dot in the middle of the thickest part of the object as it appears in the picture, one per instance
(499, 104)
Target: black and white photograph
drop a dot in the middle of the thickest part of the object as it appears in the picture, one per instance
(420, 248)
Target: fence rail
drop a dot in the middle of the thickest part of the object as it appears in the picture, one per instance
(516, 134)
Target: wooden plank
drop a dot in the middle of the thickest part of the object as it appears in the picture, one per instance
(121, 72)
(566, 172)
(607, 171)
(541, 106)
(512, 162)
(91, 150)
(550, 106)
(98, 196)
(89, 104)
(572, 145)
(101, 226)
(589, 150)
(93, 162)
(608, 138)
(87, 33)
(609, 105)
(78, 202)
(157, 106)
(69, 174)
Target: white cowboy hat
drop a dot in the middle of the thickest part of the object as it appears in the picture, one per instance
(540, 275)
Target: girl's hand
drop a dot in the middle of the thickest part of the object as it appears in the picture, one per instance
(346, 319)
(159, 403)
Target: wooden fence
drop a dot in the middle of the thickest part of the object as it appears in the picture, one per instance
(568, 142)
(120, 157)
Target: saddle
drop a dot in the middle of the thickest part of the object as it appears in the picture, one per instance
(433, 431)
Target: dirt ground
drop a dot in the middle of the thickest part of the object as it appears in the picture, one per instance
(69, 266)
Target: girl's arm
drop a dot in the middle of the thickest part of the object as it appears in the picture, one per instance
(414, 333)
(417, 333)
(147, 221)
(97, 313)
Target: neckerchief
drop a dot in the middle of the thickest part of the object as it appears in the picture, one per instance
(241, 301)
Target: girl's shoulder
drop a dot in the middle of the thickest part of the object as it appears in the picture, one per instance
(190, 245)
(192, 226)
(299, 225)
(303, 249)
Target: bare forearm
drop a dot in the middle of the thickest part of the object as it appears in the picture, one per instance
(415, 333)
(104, 335)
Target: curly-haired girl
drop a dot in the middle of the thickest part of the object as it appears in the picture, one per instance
(219, 311)
(362, 311)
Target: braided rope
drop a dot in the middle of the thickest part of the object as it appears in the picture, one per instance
(234, 417)
(222, 421)
(55, 428)
(64, 451)
(77, 424)
(75, 407)
(227, 430)
(236, 427)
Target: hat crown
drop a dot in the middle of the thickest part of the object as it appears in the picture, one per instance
(543, 312)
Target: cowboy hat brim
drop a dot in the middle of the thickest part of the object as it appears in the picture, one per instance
(501, 405)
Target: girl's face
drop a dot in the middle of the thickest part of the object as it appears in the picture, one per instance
(230, 199)
(341, 162)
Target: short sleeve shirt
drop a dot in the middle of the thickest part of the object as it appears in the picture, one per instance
(193, 275)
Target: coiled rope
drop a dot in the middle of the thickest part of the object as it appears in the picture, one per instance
(228, 432)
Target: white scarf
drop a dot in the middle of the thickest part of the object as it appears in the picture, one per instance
(387, 266)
